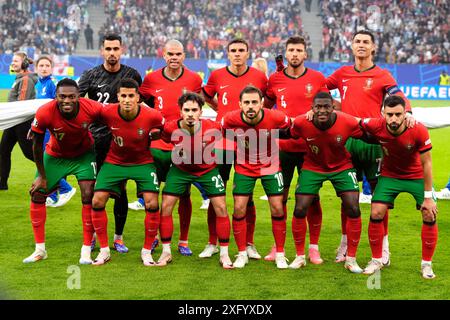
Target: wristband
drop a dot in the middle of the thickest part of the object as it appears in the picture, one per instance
(428, 194)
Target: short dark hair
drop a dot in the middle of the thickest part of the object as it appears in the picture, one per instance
(366, 32)
(393, 101)
(191, 96)
(66, 82)
(45, 57)
(296, 40)
(129, 83)
(237, 40)
(323, 95)
(111, 37)
(250, 89)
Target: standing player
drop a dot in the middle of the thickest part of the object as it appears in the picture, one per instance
(129, 157)
(46, 89)
(256, 157)
(363, 88)
(293, 90)
(327, 159)
(192, 138)
(222, 94)
(407, 167)
(101, 83)
(69, 151)
(161, 90)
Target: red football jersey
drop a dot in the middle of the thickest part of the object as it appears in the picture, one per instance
(228, 87)
(294, 96)
(69, 138)
(401, 154)
(257, 152)
(326, 148)
(193, 154)
(363, 93)
(166, 92)
(130, 138)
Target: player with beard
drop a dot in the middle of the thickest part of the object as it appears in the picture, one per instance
(101, 84)
(69, 151)
(193, 137)
(407, 167)
(254, 129)
(161, 90)
(363, 88)
(222, 93)
(293, 90)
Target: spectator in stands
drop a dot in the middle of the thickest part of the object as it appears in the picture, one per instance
(89, 35)
(444, 79)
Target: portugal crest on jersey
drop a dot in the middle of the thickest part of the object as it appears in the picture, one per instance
(339, 139)
(369, 83)
(308, 90)
(140, 132)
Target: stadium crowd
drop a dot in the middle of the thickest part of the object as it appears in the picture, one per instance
(38, 26)
(147, 25)
(408, 31)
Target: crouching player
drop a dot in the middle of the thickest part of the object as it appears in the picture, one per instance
(406, 167)
(327, 159)
(255, 130)
(128, 158)
(68, 152)
(193, 161)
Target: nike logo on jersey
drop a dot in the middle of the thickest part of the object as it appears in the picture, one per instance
(310, 139)
(101, 85)
(112, 128)
(223, 87)
(282, 89)
(57, 129)
(158, 90)
(345, 80)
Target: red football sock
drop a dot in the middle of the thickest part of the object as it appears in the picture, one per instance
(429, 240)
(314, 217)
(250, 217)
(38, 215)
(376, 232)
(88, 227)
(279, 232)
(299, 232)
(386, 222)
(166, 229)
(212, 225)
(100, 222)
(343, 221)
(185, 213)
(223, 230)
(151, 224)
(353, 235)
(240, 232)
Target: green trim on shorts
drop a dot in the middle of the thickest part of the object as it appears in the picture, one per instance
(388, 189)
(179, 181)
(83, 167)
(163, 161)
(272, 184)
(366, 158)
(111, 176)
(342, 181)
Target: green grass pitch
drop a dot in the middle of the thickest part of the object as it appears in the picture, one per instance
(193, 278)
